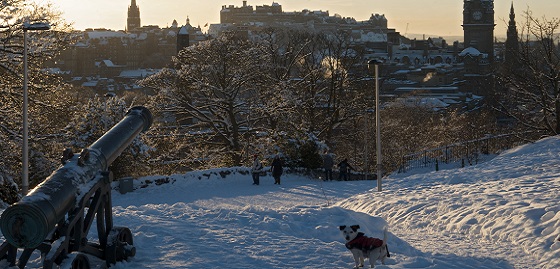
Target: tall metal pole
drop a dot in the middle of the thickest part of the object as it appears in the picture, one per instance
(366, 140)
(25, 173)
(378, 128)
(25, 148)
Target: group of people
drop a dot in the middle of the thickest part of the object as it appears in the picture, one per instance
(343, 168)
(275, 167)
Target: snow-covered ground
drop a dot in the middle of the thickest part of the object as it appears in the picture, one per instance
(504, 213)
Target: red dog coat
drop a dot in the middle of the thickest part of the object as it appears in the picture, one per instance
(364, 243)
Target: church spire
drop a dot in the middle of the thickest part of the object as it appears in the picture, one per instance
(133, 20)
(512, 41)
(512, 12)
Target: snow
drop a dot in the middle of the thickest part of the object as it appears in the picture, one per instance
(503, 213)
(470, 51)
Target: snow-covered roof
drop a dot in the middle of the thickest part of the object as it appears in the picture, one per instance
(142, 36)
(401, 71)
(373, 37)
(105, 34)
(137, 73)
(80, 44)
(184, 31)
(470, 51)
(91, 83)
(107, 63)
(427, 102)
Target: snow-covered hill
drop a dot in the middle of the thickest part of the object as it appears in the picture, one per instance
(504, 213)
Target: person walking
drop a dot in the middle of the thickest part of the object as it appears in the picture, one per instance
(328, 164)
(344, 168)
(276, 168)
(256, 170)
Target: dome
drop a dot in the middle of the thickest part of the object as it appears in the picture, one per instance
(470, 51)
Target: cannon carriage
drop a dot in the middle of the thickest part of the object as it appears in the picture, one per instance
(56, 216)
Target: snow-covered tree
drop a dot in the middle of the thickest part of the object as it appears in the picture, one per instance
(213, 89)
(313, 76)
(98, 116)
(46, 95)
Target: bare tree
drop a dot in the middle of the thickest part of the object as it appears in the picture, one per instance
(212, 89)
(531, 88)
(414, 127)
(313, 74)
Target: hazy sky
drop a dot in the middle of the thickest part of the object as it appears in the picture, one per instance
(432, 17)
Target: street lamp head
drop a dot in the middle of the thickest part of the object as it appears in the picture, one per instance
(37, 26)
(373, 63)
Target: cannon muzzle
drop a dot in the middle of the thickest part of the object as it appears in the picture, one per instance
(28, 222)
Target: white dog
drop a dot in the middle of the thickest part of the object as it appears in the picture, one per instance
(362, 246)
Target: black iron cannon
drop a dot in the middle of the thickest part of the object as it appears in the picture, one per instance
(56, 216)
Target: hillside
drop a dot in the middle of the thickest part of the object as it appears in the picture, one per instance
(504, 213)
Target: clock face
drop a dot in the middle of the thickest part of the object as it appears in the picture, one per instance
(477, 15)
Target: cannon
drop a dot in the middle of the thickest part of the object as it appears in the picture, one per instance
(56, 216)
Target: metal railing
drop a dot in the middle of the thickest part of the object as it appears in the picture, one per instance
(467, 152)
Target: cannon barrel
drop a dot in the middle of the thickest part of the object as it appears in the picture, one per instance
(28, 222)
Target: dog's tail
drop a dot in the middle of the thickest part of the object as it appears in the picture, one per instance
(384, 236)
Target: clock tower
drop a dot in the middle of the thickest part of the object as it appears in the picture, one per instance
(478, 26)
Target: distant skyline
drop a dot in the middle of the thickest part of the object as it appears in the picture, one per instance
(429, 17)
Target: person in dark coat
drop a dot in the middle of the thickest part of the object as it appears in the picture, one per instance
(276, 169)
(344, 168)
(328, 164)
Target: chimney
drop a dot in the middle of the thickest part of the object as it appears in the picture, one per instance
(244, 3)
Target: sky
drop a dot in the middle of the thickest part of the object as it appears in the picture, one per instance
(430, 17)
(503, 213)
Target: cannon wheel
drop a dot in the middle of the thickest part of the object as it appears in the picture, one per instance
(81, 261)
(119, 245)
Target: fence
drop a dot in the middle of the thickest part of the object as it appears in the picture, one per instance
(467, 152)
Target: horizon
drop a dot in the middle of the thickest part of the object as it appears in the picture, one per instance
(405, 16)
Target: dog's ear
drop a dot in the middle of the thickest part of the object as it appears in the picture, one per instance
(355, 227)
(342, 227)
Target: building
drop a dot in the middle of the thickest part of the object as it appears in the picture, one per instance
(247, 19)
(188, 35)
(133, 19)
(478, 55)
(106, 53)
(478, 26)
(512, 41)
(429, 62)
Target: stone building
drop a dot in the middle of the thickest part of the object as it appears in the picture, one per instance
(478, 26)
(248, 19)
(105, 52)
(133, 19)
(478, 55)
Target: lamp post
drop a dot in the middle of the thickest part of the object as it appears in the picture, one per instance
(367, 112)
(375, 65)
(25, 174)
